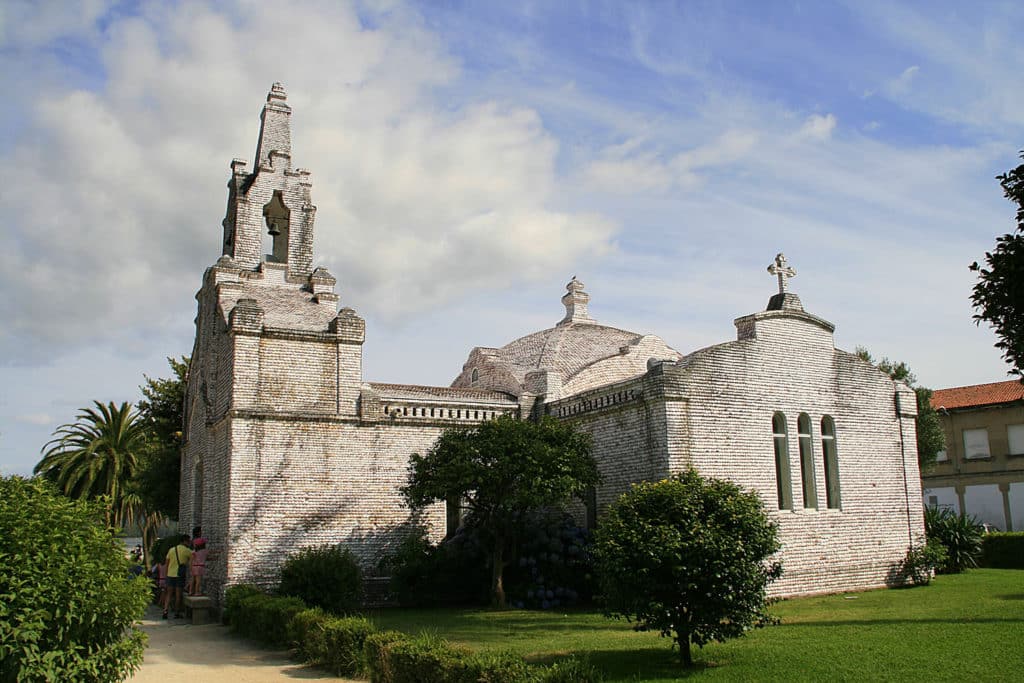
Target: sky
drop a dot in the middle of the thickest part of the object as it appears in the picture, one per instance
(469, 158)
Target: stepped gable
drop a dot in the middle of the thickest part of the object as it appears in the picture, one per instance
(576, 354)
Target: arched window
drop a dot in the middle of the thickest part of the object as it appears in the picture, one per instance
(475, 376)
(828, 449)
(783, 484)
(803, 425)
(197, 495)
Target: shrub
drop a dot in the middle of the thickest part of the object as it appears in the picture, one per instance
(569, 670)
(490, 667)
(1003, 550)
(959, 533)
(265, 617)
(233, 597)
(452, 573)
(333, 642)
(68, 606)
(325, 576)
(922, 562)
(688, 557)
(554, 568)
(375, 654)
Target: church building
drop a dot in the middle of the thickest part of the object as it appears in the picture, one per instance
(287, 445)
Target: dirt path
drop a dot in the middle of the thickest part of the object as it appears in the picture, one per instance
(178, 651)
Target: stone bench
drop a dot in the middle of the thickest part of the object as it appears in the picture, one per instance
(200, 608)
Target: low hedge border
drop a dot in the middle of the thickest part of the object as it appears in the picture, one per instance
(1003, 550)
(352, 646)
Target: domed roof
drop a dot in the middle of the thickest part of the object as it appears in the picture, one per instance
(576, 354)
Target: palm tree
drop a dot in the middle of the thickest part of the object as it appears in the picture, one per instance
(96, 456)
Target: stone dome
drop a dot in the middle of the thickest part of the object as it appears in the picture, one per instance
(575, 355)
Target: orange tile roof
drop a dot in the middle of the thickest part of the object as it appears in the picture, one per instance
(978, 395)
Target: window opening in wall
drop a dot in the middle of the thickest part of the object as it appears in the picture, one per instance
(810, 491)
(1015, 439)
(976, 443)
(591, 504)
(475, 376)
(783, 483)
(941, 456)
(831, 461)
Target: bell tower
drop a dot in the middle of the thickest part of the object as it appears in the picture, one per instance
(272, 199)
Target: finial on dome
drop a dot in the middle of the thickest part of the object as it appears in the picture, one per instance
(575, 301)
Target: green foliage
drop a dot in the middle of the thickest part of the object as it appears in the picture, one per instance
(325, 576)
(922, 561)
(499, 470)
(930, 436)
(96, 456)
(68, 607)
(161, 409)
(375, 654)
(1003, 549)
(689, 558)
(233, 597)
(453, 572)
(998, 295)
(554, 568)
(335, 643)
(960, 535)
(426, 658)
(263, 617)
(571, 670)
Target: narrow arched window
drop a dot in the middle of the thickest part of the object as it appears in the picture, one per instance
(475, 376)
(829, 454)
(783, 484)
(803, 425)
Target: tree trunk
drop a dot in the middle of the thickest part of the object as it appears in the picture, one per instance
(498, 565)
(684, 649)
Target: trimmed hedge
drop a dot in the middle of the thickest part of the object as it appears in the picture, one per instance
(327, 576)
(335, 643)
(350, 646)
(1003, 550)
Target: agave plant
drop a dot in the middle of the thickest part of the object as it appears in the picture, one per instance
(959, 533)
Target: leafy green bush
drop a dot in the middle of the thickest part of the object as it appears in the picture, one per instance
(265, 617)
(1003, 550)
(454, 572)
(375, 654)
(233, 597)
(554, 568)
(688, 557)
(332, 642)
(68, 606)
(326, 576)
(571, 670)
(922, 562)
(959, 533)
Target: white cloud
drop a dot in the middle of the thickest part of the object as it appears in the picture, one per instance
(117, 194)
(900, 85)
(818, 127)
(38, 419)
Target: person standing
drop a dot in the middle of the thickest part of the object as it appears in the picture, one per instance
(197, 566)
(177, 571)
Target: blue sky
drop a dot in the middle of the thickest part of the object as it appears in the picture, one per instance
(469, 158)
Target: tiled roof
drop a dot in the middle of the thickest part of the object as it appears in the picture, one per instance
(978, 395)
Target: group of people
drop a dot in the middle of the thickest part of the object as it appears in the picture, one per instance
(181, 570)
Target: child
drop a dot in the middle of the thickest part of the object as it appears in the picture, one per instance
(198, 567)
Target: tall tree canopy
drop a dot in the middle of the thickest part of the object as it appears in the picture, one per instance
(998, 295)
(158, 478)
(96, 455)
(930, 437)
(500, 470)
(688, 557)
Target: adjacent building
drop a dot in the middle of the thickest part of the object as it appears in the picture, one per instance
(981, 472)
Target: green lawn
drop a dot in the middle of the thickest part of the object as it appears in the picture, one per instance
(968, 627)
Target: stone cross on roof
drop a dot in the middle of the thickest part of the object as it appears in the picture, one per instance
(783, 270)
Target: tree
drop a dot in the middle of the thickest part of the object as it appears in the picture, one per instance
(158, 478)
(930, 436)
(96, 456)
(68, 607)
(689, 557)
(998, 295)
(499, 470)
